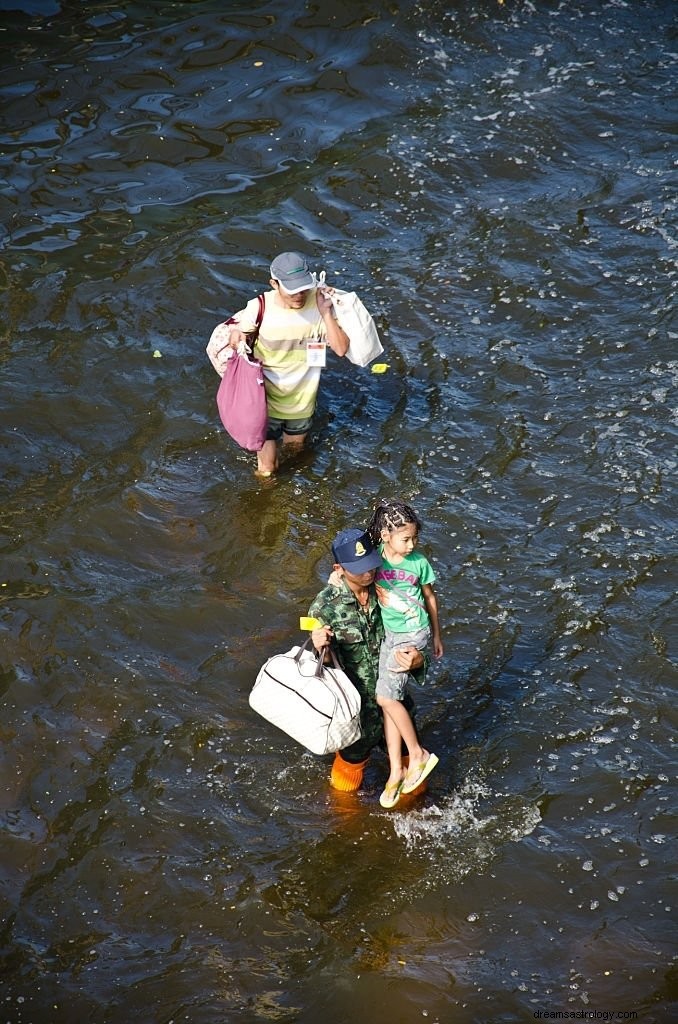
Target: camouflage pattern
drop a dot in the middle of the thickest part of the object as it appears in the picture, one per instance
(357, 639)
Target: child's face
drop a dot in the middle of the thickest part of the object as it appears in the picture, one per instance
(402, 540)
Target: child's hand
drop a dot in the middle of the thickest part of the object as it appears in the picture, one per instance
(437, 647)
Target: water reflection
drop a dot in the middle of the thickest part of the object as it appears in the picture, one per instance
(475, 173)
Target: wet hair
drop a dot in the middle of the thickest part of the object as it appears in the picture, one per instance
(389, 515)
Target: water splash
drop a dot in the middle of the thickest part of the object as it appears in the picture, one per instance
(465, 830)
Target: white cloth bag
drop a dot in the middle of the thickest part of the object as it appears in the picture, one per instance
(317, 705)
(357, 322)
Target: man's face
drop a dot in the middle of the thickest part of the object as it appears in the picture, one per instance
(362, 579)
(296, 301)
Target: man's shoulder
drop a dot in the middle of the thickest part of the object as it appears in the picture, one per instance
(336, 608)
(329, 597)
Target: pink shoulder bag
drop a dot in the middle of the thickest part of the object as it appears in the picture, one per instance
(241, 398)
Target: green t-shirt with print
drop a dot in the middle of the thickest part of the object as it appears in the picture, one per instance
(401, 598)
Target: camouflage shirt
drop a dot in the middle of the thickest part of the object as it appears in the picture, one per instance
(357, 639)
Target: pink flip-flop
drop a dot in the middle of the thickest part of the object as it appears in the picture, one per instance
(425, 769)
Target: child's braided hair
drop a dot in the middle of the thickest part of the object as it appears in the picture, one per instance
(389, 515)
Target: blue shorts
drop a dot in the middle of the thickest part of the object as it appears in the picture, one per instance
(391, 682)
(276, 428)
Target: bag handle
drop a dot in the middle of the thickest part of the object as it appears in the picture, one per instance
(306, 644)
(259, 317)
(320, 657)
(321, 660)
(320, 665)
(260, 311)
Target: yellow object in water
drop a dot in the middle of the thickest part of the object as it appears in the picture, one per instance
(380, 368)
(309, 623)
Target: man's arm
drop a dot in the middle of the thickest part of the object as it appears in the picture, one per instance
(337, 338)
(230, 334)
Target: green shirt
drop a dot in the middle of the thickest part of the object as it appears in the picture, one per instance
(403, 609)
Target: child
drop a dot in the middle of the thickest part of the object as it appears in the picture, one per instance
(409, 611)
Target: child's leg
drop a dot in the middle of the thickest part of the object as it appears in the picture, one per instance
(419, 638)
(394, 744)
(392, 689)
(398, 721)
(398, 726)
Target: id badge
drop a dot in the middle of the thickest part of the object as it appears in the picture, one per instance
(316, 353)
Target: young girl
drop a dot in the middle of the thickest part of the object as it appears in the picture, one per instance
(409, 610)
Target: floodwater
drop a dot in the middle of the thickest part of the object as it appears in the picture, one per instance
(498, 183)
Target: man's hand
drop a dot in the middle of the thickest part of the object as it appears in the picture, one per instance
(236, 338)
(408, 658)
(337, 338)
(321, 637)
(323, 300)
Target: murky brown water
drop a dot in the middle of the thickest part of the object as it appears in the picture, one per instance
(498, 183)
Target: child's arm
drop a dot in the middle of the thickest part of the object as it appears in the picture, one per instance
(431, 602)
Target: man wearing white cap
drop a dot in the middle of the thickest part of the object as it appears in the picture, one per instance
(291, 332)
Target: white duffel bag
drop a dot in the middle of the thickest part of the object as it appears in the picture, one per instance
(317, 705)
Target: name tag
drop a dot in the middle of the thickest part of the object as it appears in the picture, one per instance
(316, 353)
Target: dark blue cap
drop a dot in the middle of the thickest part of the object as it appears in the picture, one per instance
(355, 552)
